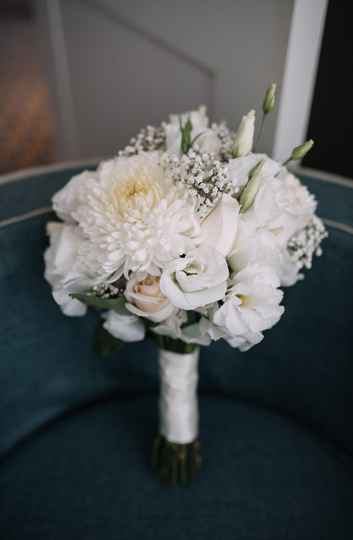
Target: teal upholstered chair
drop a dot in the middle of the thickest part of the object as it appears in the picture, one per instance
(76, 429)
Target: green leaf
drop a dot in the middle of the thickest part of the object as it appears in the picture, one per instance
(98, 302)
(186, 136)
(192, 318)
(169, 344)
(105, 344)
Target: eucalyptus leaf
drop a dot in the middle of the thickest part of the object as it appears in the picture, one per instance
(169, 344)
(98, 302)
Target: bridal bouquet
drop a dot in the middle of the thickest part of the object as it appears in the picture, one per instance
(185, 237)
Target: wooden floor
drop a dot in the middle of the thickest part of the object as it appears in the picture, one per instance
(26, 122)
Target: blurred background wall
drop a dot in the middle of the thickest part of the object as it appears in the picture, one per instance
(27, 123)
(78, 78)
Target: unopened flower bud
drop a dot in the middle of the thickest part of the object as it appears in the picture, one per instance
(249, 193)
(300, 151)
(245, 135)
(270, 98)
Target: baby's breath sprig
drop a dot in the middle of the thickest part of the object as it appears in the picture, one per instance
(226, 137)
(148, 139)
(306, 243)
(110, 290)
(205, 177)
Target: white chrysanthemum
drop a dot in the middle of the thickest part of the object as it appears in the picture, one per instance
(136, 217)
(251, 306)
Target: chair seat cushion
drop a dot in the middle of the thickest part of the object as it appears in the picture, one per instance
(48, 365)
(86, 476)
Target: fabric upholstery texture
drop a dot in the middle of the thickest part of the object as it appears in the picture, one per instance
(87, 476)
(75, 429)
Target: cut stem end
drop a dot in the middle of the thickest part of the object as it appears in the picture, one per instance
(176, 464)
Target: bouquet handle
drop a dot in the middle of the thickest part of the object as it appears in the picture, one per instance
(176, 453)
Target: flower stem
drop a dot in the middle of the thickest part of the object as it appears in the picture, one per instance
(259, 135)
(176, 464)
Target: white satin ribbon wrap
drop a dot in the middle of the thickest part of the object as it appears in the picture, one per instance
(179, 415)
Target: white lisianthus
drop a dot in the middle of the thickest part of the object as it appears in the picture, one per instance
(244, 137)
(252, 305)
(137, 216)
(197, 279)
(219, 229)
(199, 121)
(124, 326)
(175, 327)
(145, 298)
(62, 267)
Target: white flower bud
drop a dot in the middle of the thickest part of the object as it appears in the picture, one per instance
(270, 98)
(300, 151)
(249, 193)
(244, 137)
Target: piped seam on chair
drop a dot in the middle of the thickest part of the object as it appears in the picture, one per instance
(338, 225)
(24, 174)
(26, 216)
(322, 176)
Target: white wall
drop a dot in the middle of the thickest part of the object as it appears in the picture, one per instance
(119, 65)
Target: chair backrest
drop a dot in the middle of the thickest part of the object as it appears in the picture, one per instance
(303, 368)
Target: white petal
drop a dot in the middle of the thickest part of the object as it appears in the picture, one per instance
(220, 228)
(125, 327)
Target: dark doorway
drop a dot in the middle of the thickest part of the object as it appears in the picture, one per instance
(331, 119)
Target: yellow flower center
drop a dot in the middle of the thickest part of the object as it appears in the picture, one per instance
(135, 191)
(245, 299)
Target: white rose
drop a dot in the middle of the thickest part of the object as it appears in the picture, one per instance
(244, 137)
(295, 200)
(67, 200)
(62, 267)
(219, 229)
(283, 206)
(251, 306)
(199, 122)
(125, 326)
(254, 245)
(195, 280)
(145, 298)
